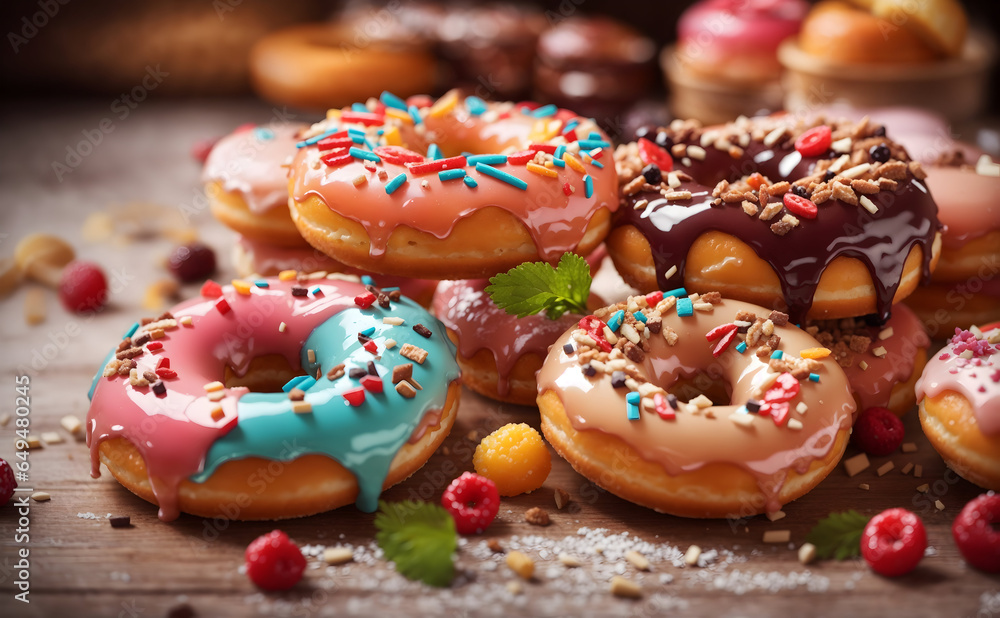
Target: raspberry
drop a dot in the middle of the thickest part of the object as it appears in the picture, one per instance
(7, 482)
(878, 432)
(274, 562)
(515, 458)
(473, 502)
(894, 542)
(194, 262)
(976, 532)
(83, 287)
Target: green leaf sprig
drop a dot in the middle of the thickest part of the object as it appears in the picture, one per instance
(533, 287)
(420, 538)
(838, 536)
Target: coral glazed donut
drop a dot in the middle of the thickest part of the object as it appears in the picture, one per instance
(274, 398)
(820, 220)
(959, 395)
(624, 397)
(407, 190)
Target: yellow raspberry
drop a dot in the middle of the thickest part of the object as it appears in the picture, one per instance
(515, 458)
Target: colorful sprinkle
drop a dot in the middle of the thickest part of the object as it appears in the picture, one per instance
(677, 292)
(567, 188)
(777, 354)
(358, 153)
(451, 174)
(391, 100)
(395, 183)
(558, 163)
(294, 383)
(131, 330)
(471, 182)
(434, 152)
(574, 163)
(814, 377)
(359, 107)
(365, 118)
(685, 307)
(315, 138)
(590, 144)
(223, 306)
(588, 186)
(615, 321)
(542, 170)
(355, 396)
(368, 332)
(263, 134)
(560, 151)
(415, 114)
(502, 176)
(640, 316)
(317, 291)
(741, 347)
(488, 159)
(596, 163)
(545, 111)
(476, 105)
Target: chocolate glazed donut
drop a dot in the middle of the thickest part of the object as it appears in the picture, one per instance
(905, 215)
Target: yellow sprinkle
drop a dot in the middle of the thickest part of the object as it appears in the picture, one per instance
(542, 170)
(398, 114)
(444, 105)
(333, 114)
(815, 353)
(214, 386)
(572, 162)
(288, 275)
(360, 179)
(241, 287)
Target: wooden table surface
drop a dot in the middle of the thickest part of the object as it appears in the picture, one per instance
(80, 566)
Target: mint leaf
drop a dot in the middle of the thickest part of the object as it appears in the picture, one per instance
(838, 536)
(533, 287)
(420, 538)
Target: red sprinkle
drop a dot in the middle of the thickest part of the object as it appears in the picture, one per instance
(570, 135)
(365, 118)
(567, 189)
(337, 158)
(720, 330)
(549, 148)
(163, 363)
(211, 289)
(800, 206)
(724, 342)
(531, 105)
(154, 345)
(654, 298)
(779, 412)
(364, 300)
(440, 165)
(223, 306)
(595, 328)
(661, 407)
(371, 346)
(785, 388)
(419, 100)
(651, 153)
(166, 374)
(596, 153)
(814, 142)
(355, 396)
(520, 158)
(246, 126)
(398, 155)
(565, 115)
(372, 384)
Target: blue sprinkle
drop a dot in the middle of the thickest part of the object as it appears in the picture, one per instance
(558, 163)
(390, 100)
(560, 151)
(588, 186)
(590, 144)
(433, 152)
(357, 153)
(355, 131)
(545, 111)
(379, 131)
(367, 280)
(596, 163)
(513, 181)
(262, 284)
(368, 332)
(594, 135)
(632, 410)
(317, 291)
(476, 105)
(640, 316)
(131, 330)
(741, 347)
(263, 134)
(632, 398)
(392, 289)
(415, 114)
(470, 182)
(814, 377)
(572, 124)
(359, 107)
(371, 146)
(526, 110)
(678, 293)
(294, 382)
(685, 307)
(451, 174)
(616, 320)
(777, 355)
(488, 159)
(395, 183)
(306, 383)
(742, 410)
(315, 138)
(358, 139)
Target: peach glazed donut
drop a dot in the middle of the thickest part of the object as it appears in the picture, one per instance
(819, 220)
(625, 398)
(276, 398)
(959, 395)
(457, 188)
(882, 363)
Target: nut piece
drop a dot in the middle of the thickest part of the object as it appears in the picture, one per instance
(42, 257)
(777, 536)
(537, 517)
(41, 496)
(521, 564)
(569, 560)
(637, 560)
(856, 464)
(561, 498)
(621, 587)
(494, 546)
(338, 555)
(807, 553)
(692, 555)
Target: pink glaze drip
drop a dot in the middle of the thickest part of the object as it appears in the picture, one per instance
(556, 221)
(467, 310)
(967, 203)
(173, 433)
(247, 163)
(977, 379)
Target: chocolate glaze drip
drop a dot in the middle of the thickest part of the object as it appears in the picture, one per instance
(882, 241)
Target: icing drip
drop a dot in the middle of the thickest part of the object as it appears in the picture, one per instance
(976, 376)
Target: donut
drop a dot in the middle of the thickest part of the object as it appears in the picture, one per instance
(246, 182)
(685, 414)
(362, 192)
(959, 395)
(882, 362)
(848, 228)
(317, 66)
(253, 259)
(845, 32)
(275, 398)
(596, 65)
